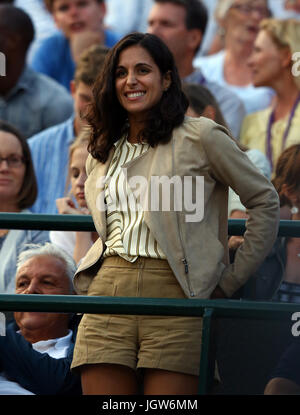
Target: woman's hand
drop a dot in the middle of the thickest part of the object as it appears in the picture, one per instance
(235, 242)
(66, 206)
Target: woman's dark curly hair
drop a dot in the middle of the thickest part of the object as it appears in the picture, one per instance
(108, 119)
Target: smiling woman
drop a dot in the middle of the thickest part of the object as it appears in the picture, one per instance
(139, 86)
(139, 130)
(277, 127)
(18, 191)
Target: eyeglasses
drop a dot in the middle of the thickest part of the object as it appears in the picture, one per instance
(13, 161)
(247, 9)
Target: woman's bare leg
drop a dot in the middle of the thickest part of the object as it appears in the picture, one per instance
(108, 379)
(163, 382)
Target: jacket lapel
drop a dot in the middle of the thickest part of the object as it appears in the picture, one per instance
(94, 194)
(157, 161)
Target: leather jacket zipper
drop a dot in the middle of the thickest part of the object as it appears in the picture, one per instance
(184, 260)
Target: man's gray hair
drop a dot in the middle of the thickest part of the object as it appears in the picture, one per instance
(49, 249)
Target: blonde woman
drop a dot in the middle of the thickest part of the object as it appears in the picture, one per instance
(277, 127)
(239, 22)
(75, 243)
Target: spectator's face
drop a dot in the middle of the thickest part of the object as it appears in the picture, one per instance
(78, 174)
(243, 18)
(267, 61)
(82, 95)
(75, 16)
(12, 169)
(167, 21)
(42, 275)
(139, 82)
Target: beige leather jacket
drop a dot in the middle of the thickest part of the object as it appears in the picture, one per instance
(196, 251)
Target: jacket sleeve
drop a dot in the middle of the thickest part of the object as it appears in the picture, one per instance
(231, 167)
(35, 371)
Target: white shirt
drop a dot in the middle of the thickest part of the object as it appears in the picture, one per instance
(254, 99)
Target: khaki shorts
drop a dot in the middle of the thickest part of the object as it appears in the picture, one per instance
(161, 342)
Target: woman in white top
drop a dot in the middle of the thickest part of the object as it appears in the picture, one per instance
(275, 63)
(240, 23)
(75, 243)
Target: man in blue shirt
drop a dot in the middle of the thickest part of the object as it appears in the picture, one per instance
(181, 25)
(29, 100)
(50, 148)
(73, 17)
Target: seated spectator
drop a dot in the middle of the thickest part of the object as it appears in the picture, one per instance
(240, 22)
(181, 25)
(75, 243)
(285, 379)
(54, 57)
(28, 100)
(278, 277)
(276, 127)
(202, 103)
(18, 191)
(50, 148)
(37, 350)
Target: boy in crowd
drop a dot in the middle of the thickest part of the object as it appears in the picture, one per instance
(72, 17)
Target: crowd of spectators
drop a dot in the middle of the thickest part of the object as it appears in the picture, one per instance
(237, 60)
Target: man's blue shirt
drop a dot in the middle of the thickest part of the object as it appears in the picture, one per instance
(54, 57)
(50, 155)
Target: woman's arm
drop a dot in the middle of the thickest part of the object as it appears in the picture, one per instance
(230, 166)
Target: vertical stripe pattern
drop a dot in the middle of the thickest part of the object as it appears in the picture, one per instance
(127, 233)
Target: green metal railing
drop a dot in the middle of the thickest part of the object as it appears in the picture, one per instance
(85, 223)
(208, 309)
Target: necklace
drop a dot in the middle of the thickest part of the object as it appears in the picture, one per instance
(269, 151)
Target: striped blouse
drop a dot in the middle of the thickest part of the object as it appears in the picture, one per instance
(127, 233)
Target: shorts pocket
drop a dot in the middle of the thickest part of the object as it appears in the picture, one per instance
(102, 288)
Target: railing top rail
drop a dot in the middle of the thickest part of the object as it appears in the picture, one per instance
(85, 223)
(144, 306)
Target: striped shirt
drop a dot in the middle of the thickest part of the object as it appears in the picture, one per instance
(127, 233)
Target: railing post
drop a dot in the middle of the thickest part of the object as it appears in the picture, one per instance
(205, 367)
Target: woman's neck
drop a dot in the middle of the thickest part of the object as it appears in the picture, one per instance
(135, 127)
(286, 95)
(236, 69)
